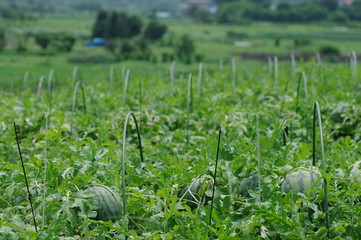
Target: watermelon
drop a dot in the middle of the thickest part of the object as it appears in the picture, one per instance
(34, 191)
(194, 194)
(301, 181)
(250, 183)
(109, 203)
(356, 171)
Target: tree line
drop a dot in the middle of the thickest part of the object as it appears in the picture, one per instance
(235, 11)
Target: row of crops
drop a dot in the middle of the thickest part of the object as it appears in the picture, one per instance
(223, 153)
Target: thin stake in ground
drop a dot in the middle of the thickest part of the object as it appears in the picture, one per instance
(316, 112)
(123, 153)
(26, 179)
(215, 177)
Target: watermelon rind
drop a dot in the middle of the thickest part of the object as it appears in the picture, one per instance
(109, 203)
(302, 181)
(194, 195)
(247, 184)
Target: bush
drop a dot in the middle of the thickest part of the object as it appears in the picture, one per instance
(155, 31)
(136, 49)
(329, 50)
(61, 42)
(21, 45)
(185, 49)
(301, 42)
(43, 40)
(339, 17)
(167, 57)
(236, 35)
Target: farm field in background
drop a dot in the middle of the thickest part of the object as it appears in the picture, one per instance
(213, 42)
(71, 127)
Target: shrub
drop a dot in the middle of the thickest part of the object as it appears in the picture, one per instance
(236, 35)
(43, 40)
(61, 42)
(339, 17)
(300, 42)
(185, 49)
(155, 31)
(21, 45)
(136, 49)
(329, 50)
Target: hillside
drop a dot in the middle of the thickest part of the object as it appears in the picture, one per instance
(53, 6)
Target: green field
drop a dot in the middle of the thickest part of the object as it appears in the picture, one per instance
(73, 145)
(211, 43)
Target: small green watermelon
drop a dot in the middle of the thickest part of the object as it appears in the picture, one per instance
(301, 181)
(194, 194)
(109, 203)
(356, 171)
(247, 184)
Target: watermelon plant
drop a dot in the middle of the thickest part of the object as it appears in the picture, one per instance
(356, 171)
(78, 198)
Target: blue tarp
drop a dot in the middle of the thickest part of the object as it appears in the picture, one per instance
(95, 42)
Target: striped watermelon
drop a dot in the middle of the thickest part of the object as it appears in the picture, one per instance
(250, 183)
(301, 181)
(356, 171)
(109, 203)
(194, 194)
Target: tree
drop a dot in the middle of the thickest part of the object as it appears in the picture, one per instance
(309, 12)
(118, 25)
(87, 6)
(155, 31)
(135, 25)
(62, 42)
(219, 2)
(353, 11)
(331, 5)
(185, 49)
(43, 40)
(230, 13)
(2, 39)
(100, 25)
(339, 16)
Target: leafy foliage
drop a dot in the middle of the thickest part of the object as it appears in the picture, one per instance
(61, 42)
(185, 48)
(155, 31)
(156, 210)
(116, 25)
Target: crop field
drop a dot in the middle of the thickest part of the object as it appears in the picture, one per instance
(226, 153)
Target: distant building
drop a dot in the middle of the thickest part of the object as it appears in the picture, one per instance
(206, 5)
(163, 14)
(345, 2)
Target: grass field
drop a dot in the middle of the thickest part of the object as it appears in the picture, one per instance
(211, 42)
